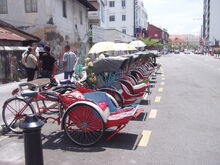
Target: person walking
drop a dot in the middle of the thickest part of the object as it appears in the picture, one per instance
(69, 60)
(31, 63)
(47, 62)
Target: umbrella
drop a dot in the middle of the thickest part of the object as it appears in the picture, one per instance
(124, 47)
(137, 43)
(102, 47)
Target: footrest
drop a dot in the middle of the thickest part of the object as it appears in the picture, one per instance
(119, 119)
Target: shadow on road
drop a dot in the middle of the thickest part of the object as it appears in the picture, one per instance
(141, 117)
(58, 140)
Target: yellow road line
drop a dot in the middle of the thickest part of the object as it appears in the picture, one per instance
(157, 99)
(153, 114)
(160, 90)
(162, 83)
(145, 138)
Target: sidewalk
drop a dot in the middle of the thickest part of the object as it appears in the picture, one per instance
(5, 93)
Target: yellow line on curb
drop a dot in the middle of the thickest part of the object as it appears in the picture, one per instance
(162, 83)
(153, 114)
(145, 138)
(160, 90)
(157, 99)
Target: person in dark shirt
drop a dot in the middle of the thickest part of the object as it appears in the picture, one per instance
(47, 62)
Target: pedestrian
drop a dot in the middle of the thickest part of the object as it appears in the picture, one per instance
(69, 60)
(47, 63)
(30, 61)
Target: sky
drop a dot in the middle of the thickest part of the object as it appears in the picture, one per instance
(177, 16)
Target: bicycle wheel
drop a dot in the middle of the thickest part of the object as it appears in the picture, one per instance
(13, 113)
(83, 125)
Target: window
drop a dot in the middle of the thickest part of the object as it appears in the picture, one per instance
(111, 18)
(30, 6)
(81, 17)
(124, 31)
(64, 9)
(3, 7)
(123, 17)
(111, 3)
(123, 4)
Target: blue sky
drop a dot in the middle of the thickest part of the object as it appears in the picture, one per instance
(177, 16)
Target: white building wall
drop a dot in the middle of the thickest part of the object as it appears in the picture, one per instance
(118, 11)
(17, 16)
(62, 31)
(114, 35)
(214, 32)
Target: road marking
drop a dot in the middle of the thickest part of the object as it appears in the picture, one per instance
(145, 138)
(160, 90)
(163, 75)
(162, 78)
(157, 99)
(162, 83)
(153, 114)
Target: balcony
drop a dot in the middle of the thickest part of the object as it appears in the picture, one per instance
(93, 15)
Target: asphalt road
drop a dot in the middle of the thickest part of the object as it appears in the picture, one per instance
(182, 126)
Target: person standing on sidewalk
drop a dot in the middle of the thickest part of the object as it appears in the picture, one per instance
(69, 60)
(31, 63)
(47, 62)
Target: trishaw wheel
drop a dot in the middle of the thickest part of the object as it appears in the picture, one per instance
(13, 113)
(83, 125)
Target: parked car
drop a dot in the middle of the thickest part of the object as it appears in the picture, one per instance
(186, 51)
(176, 51)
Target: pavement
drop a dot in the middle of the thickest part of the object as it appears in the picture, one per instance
(5, 93)
(180, 125)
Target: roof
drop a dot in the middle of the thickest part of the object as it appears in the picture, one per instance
(9, 32)
(8, 35)
(88, 5)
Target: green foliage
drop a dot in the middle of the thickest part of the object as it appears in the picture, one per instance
(217, 50)
(153, 43)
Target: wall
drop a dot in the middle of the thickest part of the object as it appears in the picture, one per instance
(115, 35)
(118, 11)
(214, 20)
(154, 32)
(49, 24)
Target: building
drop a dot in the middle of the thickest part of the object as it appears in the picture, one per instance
(141, 19)
(154, 32)
(127, 16)
(97, 21)
(210, 30)
(185, 40)
(57, 22)
(13, 42)
(104, 30)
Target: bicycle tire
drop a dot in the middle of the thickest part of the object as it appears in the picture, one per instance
(10, 111)
(83, 125)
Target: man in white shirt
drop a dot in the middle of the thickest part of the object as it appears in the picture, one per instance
(69, 60)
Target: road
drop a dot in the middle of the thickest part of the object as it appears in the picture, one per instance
(182, 126)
